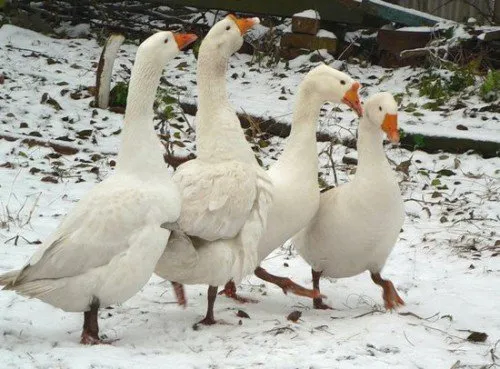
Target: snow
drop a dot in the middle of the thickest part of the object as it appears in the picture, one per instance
(443, 265)
(310, 13)
(416, 29)
(326, 34)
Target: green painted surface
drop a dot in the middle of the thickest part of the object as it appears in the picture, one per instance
(398, 14)
(345, 11)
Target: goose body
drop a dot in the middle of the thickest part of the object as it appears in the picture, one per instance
(357, 224)
(225, 194)
(295, 175)
(106, 248)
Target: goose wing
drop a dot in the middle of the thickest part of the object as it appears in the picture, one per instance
(102, 225)
(217, 198)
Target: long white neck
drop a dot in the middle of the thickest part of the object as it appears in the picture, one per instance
(211, 77)
(300, 149)
(140, 148)
(372, 162)
(218, 132)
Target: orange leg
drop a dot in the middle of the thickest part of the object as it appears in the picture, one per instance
(286, 284)
(230, 291)
(318, 301)
(179, 294)
(391, 298)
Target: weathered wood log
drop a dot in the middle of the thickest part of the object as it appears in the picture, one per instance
(105, 69)
(310, 42)
(433, 144)
(308, 25)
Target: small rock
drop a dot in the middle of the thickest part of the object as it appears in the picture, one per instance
(461, 127)
(477, 337)
(350, 161)
(49, 179)
(242, 314)
(294, 316)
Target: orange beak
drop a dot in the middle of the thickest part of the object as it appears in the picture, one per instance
(390, 127)
(184, 39)
(244, 24)
(351, 98)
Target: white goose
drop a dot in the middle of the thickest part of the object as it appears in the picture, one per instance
(106, 248)
(295, 175)
(225, 194)
(358, 223)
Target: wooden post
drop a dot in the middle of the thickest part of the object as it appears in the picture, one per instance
(105, 69)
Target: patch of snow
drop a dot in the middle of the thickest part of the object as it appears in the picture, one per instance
(416, 29)
(310, 13)
(326, 34)
(74, 31)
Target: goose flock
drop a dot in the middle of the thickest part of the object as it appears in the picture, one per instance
(220, 215)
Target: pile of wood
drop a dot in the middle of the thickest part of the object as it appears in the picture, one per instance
(306, 35)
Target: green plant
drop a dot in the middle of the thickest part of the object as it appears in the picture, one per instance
(118, 94)
(419, 141)
(490, 89)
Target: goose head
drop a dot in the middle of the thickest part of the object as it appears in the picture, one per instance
(164, 45)
(381, 111)
(335, 86)
(226, 36)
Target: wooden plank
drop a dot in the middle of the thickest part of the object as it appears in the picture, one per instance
(399, 14)
(397, 41)
(343, 11)
(490, 35)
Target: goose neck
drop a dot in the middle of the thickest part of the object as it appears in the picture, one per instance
(211, 78)
(300, 149)
(140, 148)
(371, 154)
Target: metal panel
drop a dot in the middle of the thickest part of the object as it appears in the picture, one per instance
(457, 10)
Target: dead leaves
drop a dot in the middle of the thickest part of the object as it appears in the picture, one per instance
(46, 99)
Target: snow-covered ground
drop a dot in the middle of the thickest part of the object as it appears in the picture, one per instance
(446, 264)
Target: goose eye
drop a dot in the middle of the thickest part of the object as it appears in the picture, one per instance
(166, 40)
(228, 28)
(380, 108)
(342, 82)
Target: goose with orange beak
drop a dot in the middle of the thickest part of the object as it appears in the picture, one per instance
(295, 174)
(107, 246)
(346, 236)
(226, 195)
